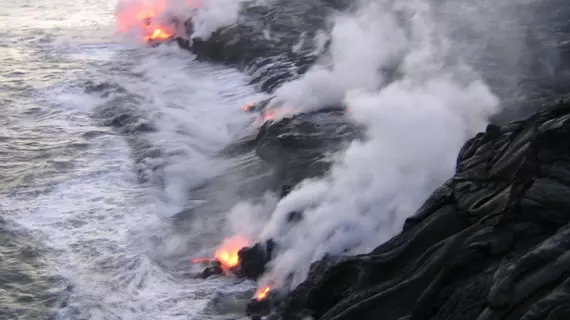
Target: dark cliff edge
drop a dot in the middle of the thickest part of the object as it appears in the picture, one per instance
(491, 243)
(272, 43)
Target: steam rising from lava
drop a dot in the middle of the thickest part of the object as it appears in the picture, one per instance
(417, 119)
(227, 253)
(133, 16)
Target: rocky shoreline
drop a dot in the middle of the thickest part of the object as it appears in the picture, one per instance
(491, 243)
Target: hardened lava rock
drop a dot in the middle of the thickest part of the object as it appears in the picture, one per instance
(273, 42)
(492, 243)
(252, 260)
(299, 147)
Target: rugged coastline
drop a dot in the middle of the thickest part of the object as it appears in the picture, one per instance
(491, 243)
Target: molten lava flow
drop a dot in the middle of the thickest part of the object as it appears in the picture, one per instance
(152, 18)
(227, 253)
(262, 293)
(203, 260)
(158, 34)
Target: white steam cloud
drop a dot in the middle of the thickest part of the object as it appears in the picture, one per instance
(207, 15)
(416, 124)
(215, 14)
(417, 118)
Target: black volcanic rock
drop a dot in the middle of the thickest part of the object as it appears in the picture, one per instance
(272, 42)
(491, 243)
(253, 259)
(298, 147)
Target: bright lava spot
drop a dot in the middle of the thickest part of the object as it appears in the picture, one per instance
(152, 19)
(262, 293)
(202, 260)
(227, 253)
(159, 34)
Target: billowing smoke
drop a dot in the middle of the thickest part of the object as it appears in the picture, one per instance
(392, 67)
(400, 67)
(207, 15)
(214, 14)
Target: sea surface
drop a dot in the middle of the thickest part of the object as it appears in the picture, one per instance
(85, 230)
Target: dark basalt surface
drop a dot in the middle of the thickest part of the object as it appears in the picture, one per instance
(491, 243)
(274, 43)
(297, 147)
(264, 43)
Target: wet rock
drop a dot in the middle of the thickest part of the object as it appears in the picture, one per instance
(299, 147)
(254, 259)
(256, 309)
(213, 269)
(272, 42)
(492, 243)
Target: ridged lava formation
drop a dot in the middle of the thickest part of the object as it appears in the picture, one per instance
(274, 43)
(491, 243)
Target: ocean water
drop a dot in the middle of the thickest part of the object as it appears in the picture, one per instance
(82, 235)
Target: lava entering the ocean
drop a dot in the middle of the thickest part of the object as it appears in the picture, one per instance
(262, 293)
(227, 253)
(158, 34)
(154, 20)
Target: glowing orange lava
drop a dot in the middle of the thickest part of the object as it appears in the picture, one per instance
(262, 293)
(151, 18)
(203, 260)
(158, 34)
(227, 253)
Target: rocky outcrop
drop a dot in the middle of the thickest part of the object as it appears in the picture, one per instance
(492, 243)
(274, 43)
(298, 146)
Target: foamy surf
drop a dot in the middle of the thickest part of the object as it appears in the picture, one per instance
(107, 236)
